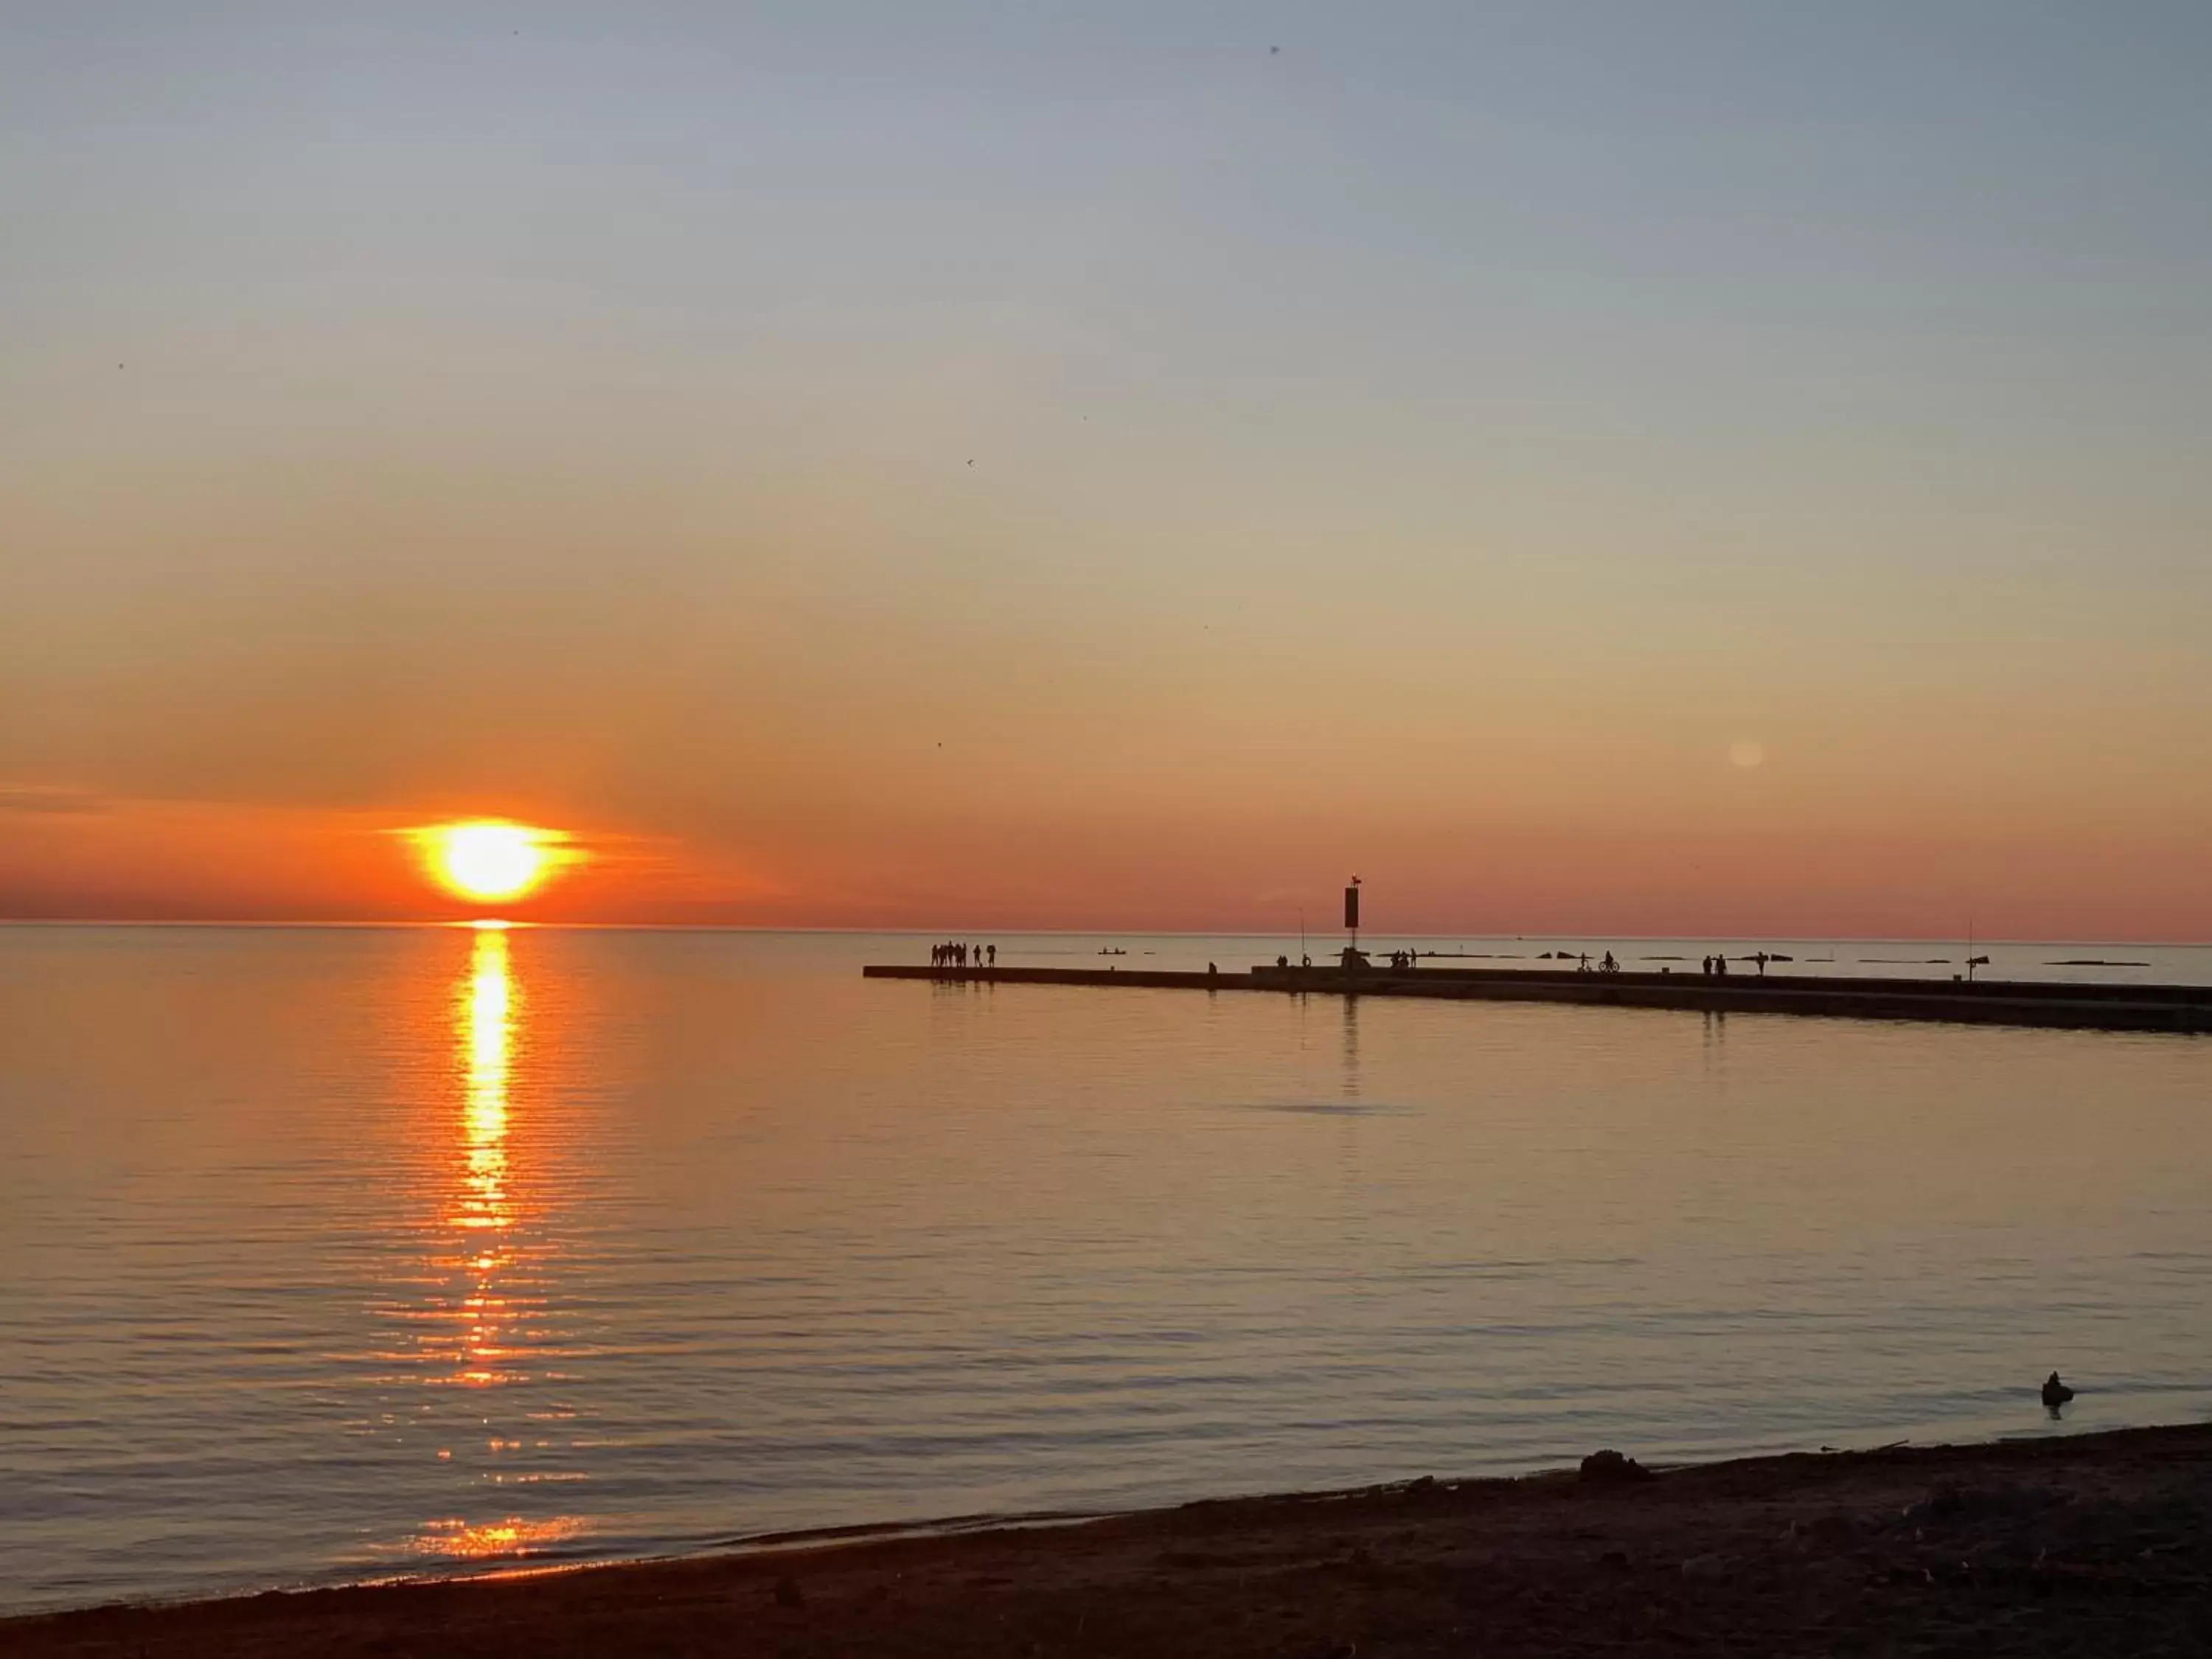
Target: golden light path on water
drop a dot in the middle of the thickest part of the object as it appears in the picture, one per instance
(484, 1218)
(488, 1034)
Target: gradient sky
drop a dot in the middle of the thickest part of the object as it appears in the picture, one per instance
(986, 466)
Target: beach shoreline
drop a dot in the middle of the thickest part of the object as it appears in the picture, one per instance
(2094, 1542)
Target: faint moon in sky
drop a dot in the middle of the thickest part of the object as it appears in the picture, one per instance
(1746, 752)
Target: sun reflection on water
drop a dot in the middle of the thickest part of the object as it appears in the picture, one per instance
(491, 1027)
(457, 1539)
(488, 1010)
(482, 1333)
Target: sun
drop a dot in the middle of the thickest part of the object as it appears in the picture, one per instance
(490, 860)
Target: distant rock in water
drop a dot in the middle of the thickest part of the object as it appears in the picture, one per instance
(1610, 1467)
(2093, 962)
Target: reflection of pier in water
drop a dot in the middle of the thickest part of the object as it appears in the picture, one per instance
(1986, 1002)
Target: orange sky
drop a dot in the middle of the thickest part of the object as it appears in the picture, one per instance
(850, 474)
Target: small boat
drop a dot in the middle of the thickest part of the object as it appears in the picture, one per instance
(1106, 952)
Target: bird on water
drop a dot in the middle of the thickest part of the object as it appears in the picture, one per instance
(2055, 1393)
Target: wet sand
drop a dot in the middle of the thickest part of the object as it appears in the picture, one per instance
(2096, 1544)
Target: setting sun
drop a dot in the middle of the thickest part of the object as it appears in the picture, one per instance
(490, 860)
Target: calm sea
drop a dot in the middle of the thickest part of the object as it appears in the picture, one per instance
(330, 1254)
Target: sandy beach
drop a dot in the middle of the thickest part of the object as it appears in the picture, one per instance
(2094, 1544)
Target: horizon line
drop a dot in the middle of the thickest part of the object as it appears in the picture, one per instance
(341, 923)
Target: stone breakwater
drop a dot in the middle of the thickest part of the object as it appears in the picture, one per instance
(2177, 1008)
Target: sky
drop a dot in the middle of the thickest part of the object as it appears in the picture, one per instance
(1700, 469)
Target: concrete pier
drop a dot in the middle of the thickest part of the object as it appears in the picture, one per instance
(2184, 1008)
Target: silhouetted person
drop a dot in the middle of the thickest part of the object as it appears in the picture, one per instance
(993, 952)
(1761, 960)
(1282, 962)
(1720, 967)
(2055, 1394)
(1609, 965)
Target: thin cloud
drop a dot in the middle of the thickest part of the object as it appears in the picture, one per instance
(50, 798)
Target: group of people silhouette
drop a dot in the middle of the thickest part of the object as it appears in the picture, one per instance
(1717, 966)
(955, 955)
(1606, 964)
